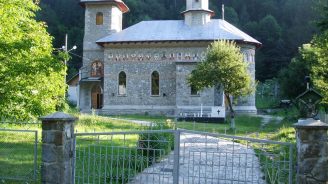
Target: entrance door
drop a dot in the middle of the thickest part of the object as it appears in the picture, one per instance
(96, 97)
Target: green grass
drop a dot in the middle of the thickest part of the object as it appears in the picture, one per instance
(17, 155)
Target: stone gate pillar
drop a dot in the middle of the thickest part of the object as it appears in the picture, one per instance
(57, 148)
(312, 152)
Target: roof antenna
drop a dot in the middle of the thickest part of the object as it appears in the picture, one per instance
(222, 11)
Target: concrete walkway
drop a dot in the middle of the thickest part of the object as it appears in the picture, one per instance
(205, 159)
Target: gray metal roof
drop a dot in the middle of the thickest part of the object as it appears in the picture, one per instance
(120, 3)
(177, 30)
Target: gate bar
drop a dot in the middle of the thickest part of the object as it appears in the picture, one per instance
(290, 164)
(35, 155)
(176, 161)
(217, 135)
(126, 132)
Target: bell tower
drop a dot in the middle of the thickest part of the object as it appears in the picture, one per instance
(197, 12)
(102, 17)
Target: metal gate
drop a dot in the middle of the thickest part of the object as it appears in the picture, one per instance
(179, 156)
(18, 155)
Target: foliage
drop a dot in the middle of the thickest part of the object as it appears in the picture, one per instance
(312, 60)
(323, 23)
(224, 67)
(267, 94)
(317, 56)
(31, 78)
(156, 145)
(65, 17)
(291, 78)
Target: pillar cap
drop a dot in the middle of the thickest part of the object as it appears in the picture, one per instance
(58, 116)
(310, 123)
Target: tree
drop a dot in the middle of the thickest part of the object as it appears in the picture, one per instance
(293, 75)
(31, 77)
(323, 23)
(223, 67)
(316, 54)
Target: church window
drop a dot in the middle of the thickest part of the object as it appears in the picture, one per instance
(193, 91)
(155, 83)
(97, 69)
(99, 18)
(122, 83)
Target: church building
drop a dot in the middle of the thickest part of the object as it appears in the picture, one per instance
(144, 68)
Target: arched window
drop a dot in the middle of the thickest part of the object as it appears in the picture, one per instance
(155, 83)
(122, 83)
(99, 18)
(97, 69)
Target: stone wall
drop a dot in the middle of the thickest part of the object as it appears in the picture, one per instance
(57, 148)
(112, 18)
(312, 152)
(247, 104)
(184, 97)
(174, 62)
(112, 22)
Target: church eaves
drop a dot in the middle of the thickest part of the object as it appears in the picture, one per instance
(121, 5)
(177, 30)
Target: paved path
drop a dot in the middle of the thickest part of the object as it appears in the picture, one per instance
(206, 159)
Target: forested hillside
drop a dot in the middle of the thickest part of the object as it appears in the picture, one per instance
(281, 25)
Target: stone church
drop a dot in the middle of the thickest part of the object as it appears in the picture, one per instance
(144, 68)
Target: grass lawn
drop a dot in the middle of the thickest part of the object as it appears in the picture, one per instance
(245, 125)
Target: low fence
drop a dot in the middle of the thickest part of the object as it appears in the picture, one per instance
(179, 156)
(19, 152)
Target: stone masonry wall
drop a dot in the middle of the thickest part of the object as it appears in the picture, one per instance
(312, 150)
(57, 148)
(247, 104)
(112, 22)
(174, 62)
(139, 70)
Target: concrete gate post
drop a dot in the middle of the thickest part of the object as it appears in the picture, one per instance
(57, 148)
(312, 152)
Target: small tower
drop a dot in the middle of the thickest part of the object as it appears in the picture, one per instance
(197, 12)
(102, 17)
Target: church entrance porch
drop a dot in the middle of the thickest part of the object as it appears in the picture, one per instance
(91, 94)
(96, 97)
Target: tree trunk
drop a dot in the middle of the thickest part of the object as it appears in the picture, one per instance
(232, 113)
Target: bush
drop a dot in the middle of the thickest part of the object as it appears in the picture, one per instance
(156, 145)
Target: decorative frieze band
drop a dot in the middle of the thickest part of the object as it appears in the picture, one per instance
(179, 54)
(157, 56)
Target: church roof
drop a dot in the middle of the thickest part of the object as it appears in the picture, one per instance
(121, 5)
(177, 30)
